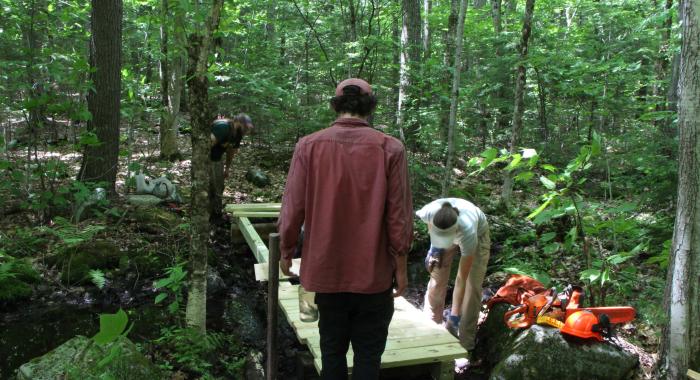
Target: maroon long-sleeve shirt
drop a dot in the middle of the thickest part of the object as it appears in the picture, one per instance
(348, 185)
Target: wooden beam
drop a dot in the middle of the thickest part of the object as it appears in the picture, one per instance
(263, 229)
(261, 270)
(254, 241)
(255, 214)
(253, 207)
(272, 290)
(693, 375)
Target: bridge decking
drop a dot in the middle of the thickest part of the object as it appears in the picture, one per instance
(413, 338)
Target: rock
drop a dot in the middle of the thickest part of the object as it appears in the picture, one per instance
(80, 357)
(246, 321)
(542, 353)
(257, 177)
(155, 220)
(16, 285)
(254, 369)
(76, 262)
(215, 284)
(144, 200)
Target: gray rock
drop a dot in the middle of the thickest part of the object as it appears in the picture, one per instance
(143, 200)
(542, 353)
(257, 177)
(81, 357)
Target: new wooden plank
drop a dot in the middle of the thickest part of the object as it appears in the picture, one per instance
(253, 239)
(255, 214)
(261, 271)
(407, 356)
(252, 207)
(693, 375)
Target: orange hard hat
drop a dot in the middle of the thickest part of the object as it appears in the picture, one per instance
(582, 324)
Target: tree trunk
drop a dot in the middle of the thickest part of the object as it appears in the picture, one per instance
(454, 94)
(544, 129)
(680, 345)
(448, 61)
(100, 161)
(519, 107)
(201, 117)
(427, 10)
(171, 79)
(409, 59)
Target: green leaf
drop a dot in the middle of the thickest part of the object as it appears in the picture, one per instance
(549, 184)
(111, 327)
(548, 236)
(160, 297)
(524, 176)
(517, 157)
(590, 275)
(541, 208)
(549, 168)
(97, 277)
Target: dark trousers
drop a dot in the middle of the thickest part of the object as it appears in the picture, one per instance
(360, 319)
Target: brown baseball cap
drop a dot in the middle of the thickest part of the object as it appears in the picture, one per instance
(365, 88)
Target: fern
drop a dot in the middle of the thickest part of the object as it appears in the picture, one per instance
(71, 234)
(98, 278)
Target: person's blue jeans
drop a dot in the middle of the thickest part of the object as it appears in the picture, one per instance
(360, 319)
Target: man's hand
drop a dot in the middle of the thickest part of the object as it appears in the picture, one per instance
(433, 259)
(286, 266)
(401, 282)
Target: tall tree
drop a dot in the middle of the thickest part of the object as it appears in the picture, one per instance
(519, 107)
(100, 160)
(172, 64)
(409, 59)
(201, 117)
(454, 95)
(448, 61)
(681, 337)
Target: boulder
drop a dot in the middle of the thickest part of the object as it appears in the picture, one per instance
(76, 262)
(215, 284)
(254, 367)
(155, 220)
(144, 200)
(257, 177)
(81, 357)
(542, 353)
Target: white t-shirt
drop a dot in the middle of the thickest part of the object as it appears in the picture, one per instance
(471, 223)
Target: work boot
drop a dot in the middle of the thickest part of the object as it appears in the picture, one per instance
(452, 325)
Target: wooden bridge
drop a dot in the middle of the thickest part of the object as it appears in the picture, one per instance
(413, 338)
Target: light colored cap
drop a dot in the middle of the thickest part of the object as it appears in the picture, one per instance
(365, 88)
(443, 238)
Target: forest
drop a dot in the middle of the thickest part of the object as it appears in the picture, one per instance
(573, 125)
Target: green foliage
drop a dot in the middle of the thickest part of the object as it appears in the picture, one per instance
(172, 286)
(98, 278)
(191, 351)
(70, 234)
(16, 278)
(112, 326)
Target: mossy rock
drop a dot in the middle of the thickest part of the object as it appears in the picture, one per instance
(15, 285)
(257, 177)
(76, 262)
(155, 220)
(82, 358)
(542, 353)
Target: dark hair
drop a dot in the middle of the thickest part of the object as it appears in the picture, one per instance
(243, 118)
(216, 152)
(446, 217)
(352, 101)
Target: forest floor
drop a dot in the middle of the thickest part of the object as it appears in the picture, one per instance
(233, 263)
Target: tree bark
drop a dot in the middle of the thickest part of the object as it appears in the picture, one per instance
(409, 57)
(454, 94)
(519, 107)
(448, 61)
(100, 162)
(201, 117)
(427, 10)
(680, 345)
(171, 78)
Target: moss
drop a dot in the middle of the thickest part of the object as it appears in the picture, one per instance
(76, 262)
(155, 220)
(15, 285)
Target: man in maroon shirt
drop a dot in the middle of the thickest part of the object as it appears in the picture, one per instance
(348, 185)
